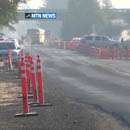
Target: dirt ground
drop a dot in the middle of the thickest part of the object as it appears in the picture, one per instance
(65, 114)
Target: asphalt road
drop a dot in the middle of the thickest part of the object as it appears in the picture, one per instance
(84, 79)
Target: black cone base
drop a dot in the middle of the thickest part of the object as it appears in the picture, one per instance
(41, 105)
(31, 103)
(29, 96)
(26, 114)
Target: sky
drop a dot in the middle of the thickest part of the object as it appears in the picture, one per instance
(38, 3)
(121, 3)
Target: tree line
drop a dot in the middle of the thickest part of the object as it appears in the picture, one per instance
(88, 16)
(84, 17)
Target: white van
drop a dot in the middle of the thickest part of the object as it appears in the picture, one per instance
(97, 40)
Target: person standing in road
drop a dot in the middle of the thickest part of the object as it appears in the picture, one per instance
(122, 40)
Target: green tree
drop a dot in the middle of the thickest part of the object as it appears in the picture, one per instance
(107, 4)
(8, 12)
(83, 17)
(110, 29)
(87, 16)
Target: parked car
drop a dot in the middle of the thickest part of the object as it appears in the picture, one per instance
(97, 40)
(9, 45)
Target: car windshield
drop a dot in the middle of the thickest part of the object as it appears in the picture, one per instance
(7, 45)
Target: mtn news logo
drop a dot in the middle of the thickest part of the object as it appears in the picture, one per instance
(40, 15)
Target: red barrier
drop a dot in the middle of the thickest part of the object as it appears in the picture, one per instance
(19, 63)
(56, 44)
(73, 46)
(70, 46)
(108, 53)
(117, 52)
(40, 85)
(113, 53)
(19, 60)
(94, 51)
(24, 93)
(65, 45)
(105, 53)
(127, 53)
(62, 44)
(27, 57)
(91, 50)
(102, 52)
(98, 51)
(33, 79)
(121, 52)
(10, 66)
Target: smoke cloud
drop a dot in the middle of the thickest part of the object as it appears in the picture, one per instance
(125, 34)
